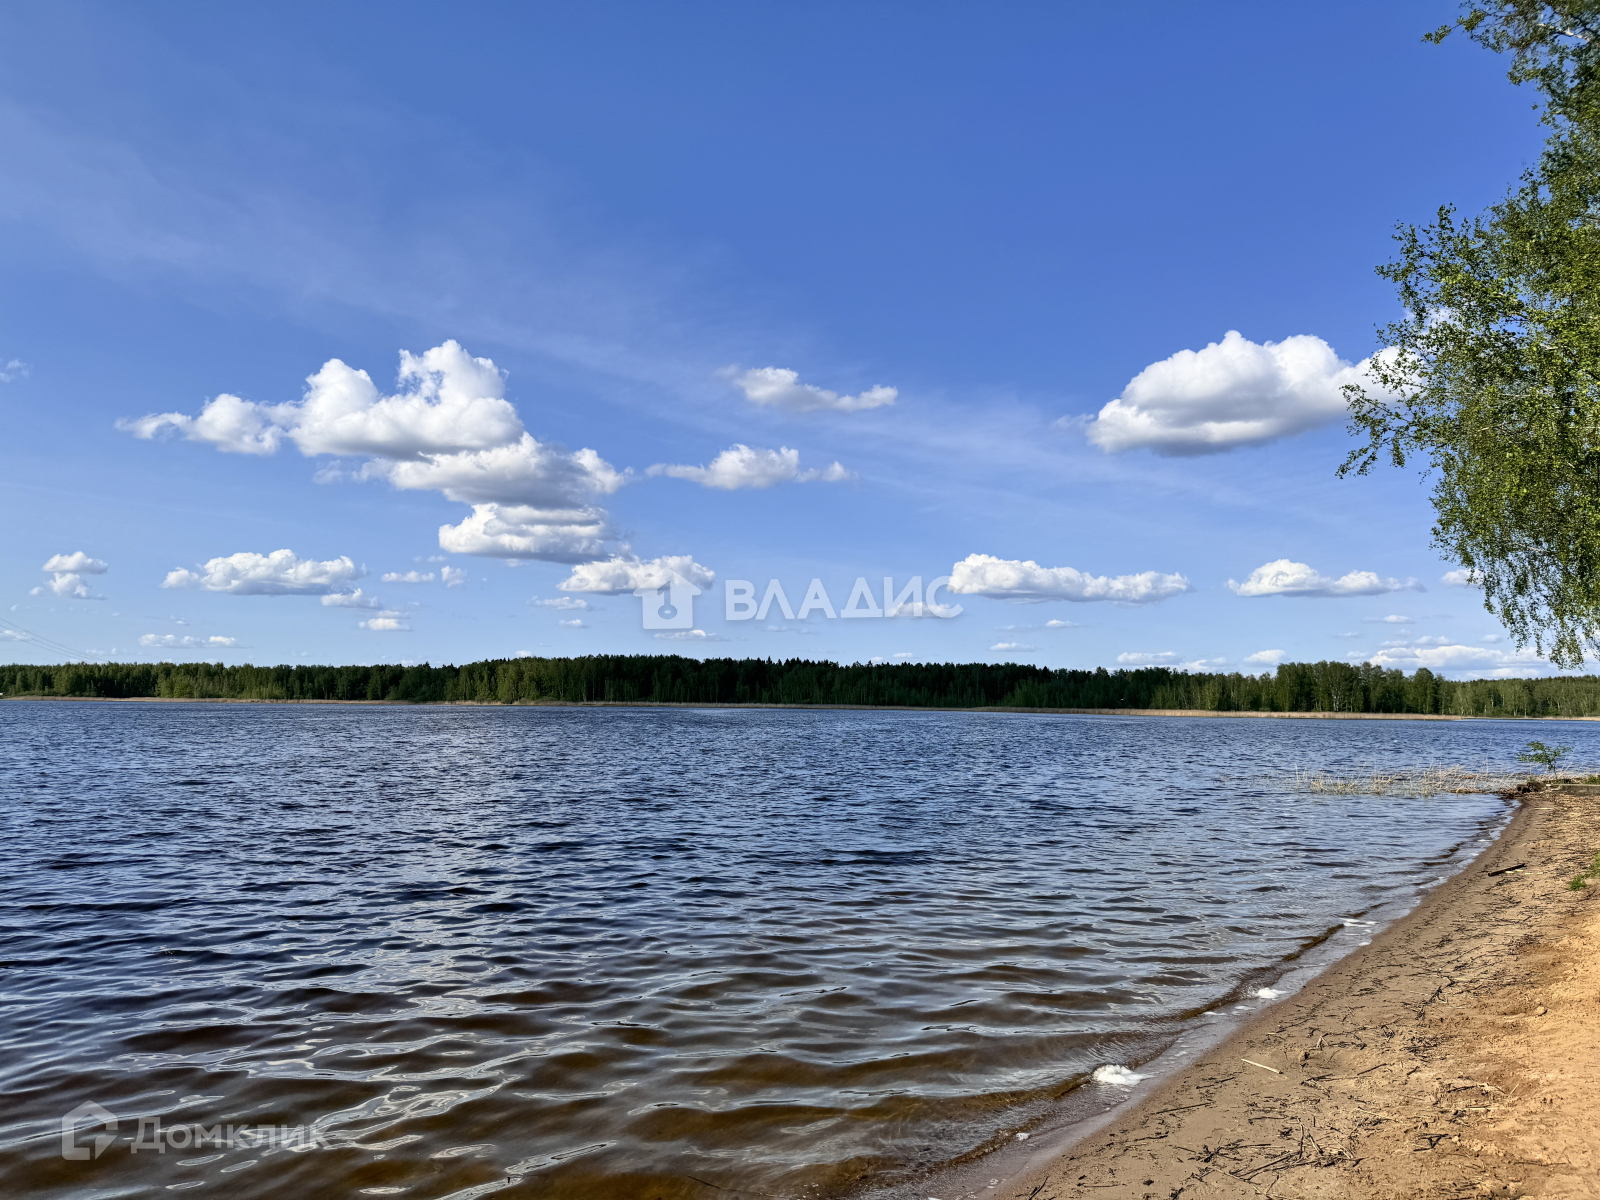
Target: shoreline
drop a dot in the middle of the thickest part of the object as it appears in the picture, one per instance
(993, 708)
(1455, 1055)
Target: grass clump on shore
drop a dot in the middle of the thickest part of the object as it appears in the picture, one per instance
(1578, 882)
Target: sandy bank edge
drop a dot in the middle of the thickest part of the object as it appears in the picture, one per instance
(1411, 1067)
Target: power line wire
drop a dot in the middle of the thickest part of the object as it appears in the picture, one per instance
(51, 645)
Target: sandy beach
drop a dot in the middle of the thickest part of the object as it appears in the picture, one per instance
(1458, 1055)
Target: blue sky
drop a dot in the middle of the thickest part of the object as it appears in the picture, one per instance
(929, 243)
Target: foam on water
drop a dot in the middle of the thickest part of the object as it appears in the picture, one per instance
(1116, 1076)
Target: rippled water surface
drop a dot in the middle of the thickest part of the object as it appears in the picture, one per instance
(646, 953)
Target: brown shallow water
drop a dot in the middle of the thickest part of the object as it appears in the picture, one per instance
(641, 953)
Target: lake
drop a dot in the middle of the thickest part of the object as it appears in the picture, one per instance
(554, 952)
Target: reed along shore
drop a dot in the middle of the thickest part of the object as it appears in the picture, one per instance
(1457, 1055)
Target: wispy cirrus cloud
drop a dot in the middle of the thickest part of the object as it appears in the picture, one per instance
(563, 603)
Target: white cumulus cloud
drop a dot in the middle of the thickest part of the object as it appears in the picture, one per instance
(1003, 646)
(452, 576)
(986, 575)
(14, 369)
(621, 576)
(574, 623)
(1233, 393)
(281, 573)
(525, 471)
(1461, 577)
(353, 599)
(742, 466)
(522, 531)
(386, 622)
(1284, 577)
(779, 387)
(408, 577)
(453, 403)
(77, 562)
(1267, 658)
(232, 425)
(690, 635)
(1147, 658)
(68, 586)
(1461, 660)
(66, 576)
(173, 641)
(449, 428)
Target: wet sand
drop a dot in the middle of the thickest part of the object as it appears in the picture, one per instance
(1458, 1055)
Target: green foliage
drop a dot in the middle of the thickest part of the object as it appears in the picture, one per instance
(630, 679)
(1552, 44)
(1579, 882)
(1549, 756)
(1493, 374)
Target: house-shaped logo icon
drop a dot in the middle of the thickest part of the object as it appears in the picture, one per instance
(669, 604)
(74, 1123)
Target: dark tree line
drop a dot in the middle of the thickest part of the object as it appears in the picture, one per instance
(641, 678)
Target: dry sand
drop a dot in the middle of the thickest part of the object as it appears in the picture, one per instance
(1458, 1055)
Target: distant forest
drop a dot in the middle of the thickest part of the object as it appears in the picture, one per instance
(642, 678)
